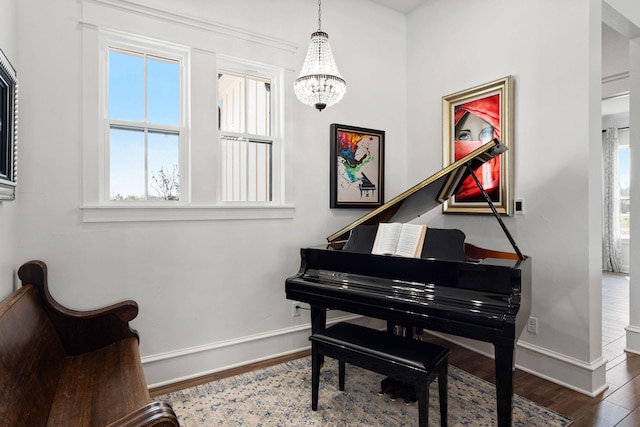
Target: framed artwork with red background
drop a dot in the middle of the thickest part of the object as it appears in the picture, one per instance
(472, 118)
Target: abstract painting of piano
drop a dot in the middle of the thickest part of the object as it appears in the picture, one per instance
(454, 287)
(356, 167)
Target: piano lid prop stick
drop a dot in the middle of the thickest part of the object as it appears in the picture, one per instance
(495, 212)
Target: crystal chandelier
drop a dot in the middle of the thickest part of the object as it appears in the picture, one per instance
(319, 84)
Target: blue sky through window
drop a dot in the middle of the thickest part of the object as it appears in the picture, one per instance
(126, 87)
(623, 167)
(144, 93)
(127, 163)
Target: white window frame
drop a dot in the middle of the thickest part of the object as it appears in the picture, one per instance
(199, 155)
(120, 42)
(231, 65)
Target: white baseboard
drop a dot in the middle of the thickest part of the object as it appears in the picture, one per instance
(585, 378)
(185, 364)
(633, 339)
(174, 366)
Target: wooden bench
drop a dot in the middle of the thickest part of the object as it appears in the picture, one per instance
(410, 361)
(61, 367)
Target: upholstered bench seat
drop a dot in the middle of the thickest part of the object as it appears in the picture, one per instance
(410, 361)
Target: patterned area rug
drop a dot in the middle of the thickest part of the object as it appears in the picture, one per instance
(281, 396)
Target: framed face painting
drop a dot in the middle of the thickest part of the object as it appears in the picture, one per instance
(472, 118)
(356, 167)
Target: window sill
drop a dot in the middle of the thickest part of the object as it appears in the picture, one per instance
(140, 213)
(7, 191)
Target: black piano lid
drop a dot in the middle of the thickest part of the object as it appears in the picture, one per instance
(427, 194)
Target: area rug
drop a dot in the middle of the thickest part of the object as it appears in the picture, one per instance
(280, 396)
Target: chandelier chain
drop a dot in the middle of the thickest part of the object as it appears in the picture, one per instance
(319, 15)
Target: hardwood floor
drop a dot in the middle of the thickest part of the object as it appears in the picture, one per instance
(618, 406)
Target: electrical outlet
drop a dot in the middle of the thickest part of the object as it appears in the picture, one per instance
(532, 325)
(295, 309)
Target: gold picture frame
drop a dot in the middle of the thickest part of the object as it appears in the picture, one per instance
(471, 118)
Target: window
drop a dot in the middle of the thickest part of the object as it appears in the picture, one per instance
(624, 168)
(246, 136)
(144, 125)
(8, 128)
(154, 143)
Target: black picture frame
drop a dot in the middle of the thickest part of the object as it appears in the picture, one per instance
(356, 167)
(8, 129)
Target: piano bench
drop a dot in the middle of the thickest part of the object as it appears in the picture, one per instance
(410, 361)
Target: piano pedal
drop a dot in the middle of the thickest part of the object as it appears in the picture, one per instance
(409, 396)
(397, 390)
(387, 386)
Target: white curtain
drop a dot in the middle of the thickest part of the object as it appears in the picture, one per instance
(611, 248)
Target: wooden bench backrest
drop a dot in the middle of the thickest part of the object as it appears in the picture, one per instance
(31, 359)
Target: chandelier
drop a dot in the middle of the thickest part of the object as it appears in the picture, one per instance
(319, 84)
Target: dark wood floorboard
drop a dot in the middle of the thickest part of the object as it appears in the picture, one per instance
(618, 406)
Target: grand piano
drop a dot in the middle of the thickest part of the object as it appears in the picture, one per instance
(454, 287)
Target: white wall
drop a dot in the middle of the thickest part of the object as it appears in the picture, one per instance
(552, 49)
(211, 293)
(615, 62)
(8, 210)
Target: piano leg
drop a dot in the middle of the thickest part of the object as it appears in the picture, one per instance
(504, 382)
(318, 319)
(318, 324)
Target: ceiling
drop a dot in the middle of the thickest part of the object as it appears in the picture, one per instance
(404, 6)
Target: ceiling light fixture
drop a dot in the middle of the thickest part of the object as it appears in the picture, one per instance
(319, 84)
